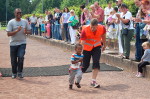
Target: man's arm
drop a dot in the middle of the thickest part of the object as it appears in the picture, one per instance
(14, 32)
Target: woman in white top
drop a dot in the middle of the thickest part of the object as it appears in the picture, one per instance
(127, 29)
(71, 30)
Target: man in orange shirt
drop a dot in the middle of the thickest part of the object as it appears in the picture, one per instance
(93, 38)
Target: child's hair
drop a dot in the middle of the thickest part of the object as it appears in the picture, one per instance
(146, 44)
(77, 45)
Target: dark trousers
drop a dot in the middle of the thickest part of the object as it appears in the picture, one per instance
(40, 30)
(141, 65)
(95, 53)
(17, 57)
(138, 43)
(66, 31)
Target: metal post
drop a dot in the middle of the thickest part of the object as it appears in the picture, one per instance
(6, 12)
(42, 7)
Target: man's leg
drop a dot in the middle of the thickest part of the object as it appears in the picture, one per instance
(138, 52)
(13, 56)
(20, 54)
(86, 60)
(96, 53)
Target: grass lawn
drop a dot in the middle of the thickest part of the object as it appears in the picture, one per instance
(2, 28)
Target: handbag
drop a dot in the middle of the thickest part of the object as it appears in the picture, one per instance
(75, 23)
(125, 31)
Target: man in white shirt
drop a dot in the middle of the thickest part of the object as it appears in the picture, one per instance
(107, 11)
(33, 20)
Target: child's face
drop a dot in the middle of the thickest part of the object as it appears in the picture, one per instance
(145, 47)
(79, 50)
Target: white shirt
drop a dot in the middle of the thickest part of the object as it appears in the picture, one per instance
(40, 20)
(128, 15)
(33, 19)
(107, 11)
(46, 18)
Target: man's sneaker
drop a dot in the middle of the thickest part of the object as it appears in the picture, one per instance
(14, 76)
(139, 75)
(20, 75)
(95, 85)
(78, 85)
(70, 86)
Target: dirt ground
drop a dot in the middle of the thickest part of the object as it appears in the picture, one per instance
(114, 84)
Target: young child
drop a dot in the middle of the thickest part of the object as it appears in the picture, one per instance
(43, 29)
(145, 60)
(75, 72)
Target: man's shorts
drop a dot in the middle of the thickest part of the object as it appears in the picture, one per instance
(95, 53)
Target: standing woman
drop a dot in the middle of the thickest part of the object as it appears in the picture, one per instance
(64, 19)
(71, 30)
(127, 29)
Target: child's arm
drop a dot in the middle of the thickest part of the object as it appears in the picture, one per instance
(76, 61)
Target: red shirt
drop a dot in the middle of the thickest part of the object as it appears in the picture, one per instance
(83, 34)
(100, 11)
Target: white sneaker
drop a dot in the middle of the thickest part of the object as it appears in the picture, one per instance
(139, 75)
(95, 85)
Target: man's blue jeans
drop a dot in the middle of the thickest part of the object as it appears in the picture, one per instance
(57, 32)
(138, 43)
(17, 58)
(33, 28)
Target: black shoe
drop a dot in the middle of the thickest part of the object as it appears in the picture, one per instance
(70, 86)
(125, 57)
(20, 75)
(14, 76)
(135, 60)
(78, 85)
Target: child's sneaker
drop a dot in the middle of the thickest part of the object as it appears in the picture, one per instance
(78, 85)
(95, 85)
(14, 76)
(70, 87)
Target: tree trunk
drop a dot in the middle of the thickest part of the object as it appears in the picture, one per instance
(87, 2)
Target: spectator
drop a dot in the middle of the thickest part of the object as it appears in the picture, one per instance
(46, 16)
(40, 22)
(82, 17)
(64, 18)
(43, 29)
(88, 16)
(17, 29)
(51, 21)
(57, 17)
(145, 60)
(71, 30)
(99, 13)
(107, 11)
(138, 43)
(127, 29)
(33, 21)
(112, 28)
(119, 2)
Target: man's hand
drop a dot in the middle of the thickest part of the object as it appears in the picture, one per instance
(19, 28)
(25, 31)
(103, 48)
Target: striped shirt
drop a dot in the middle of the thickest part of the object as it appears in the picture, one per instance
(75, 57)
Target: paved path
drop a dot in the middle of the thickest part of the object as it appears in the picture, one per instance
(114, 85)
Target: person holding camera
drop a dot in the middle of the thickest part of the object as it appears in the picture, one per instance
(127, 29)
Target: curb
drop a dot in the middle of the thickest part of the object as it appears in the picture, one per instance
(108, 58)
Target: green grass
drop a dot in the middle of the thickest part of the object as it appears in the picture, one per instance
(3, 28)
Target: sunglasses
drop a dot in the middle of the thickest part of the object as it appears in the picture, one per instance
(19, 12)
